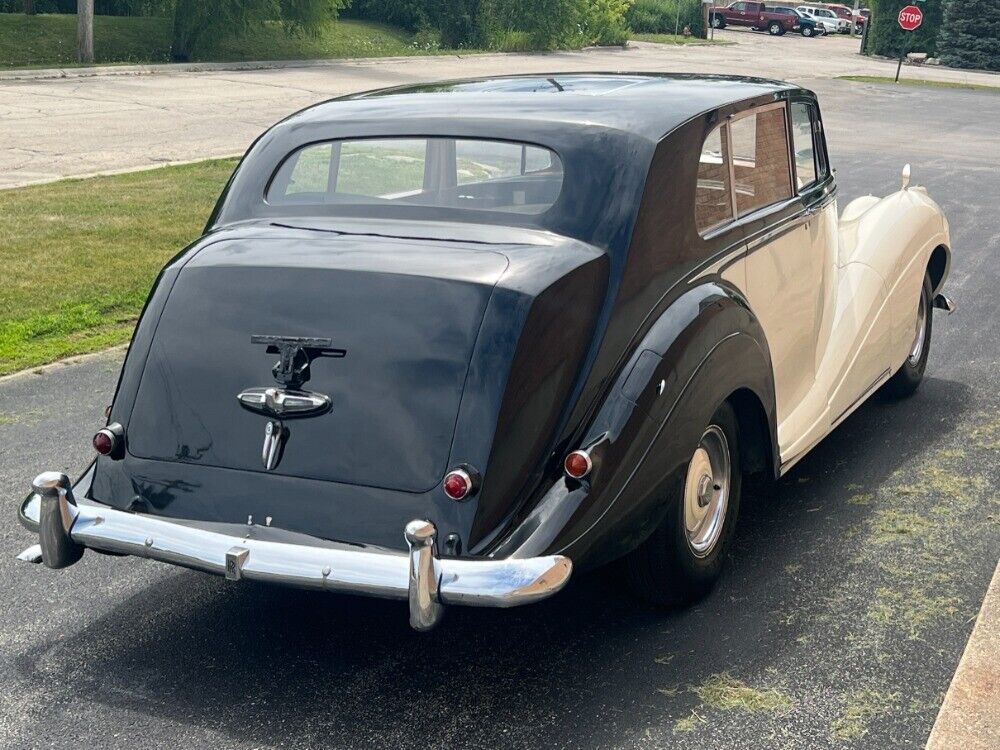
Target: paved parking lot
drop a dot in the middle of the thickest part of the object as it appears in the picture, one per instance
(74, 126)
(850, 594)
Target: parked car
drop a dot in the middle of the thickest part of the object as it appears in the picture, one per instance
(845, 13)
(824, 17)
(803, 23)
(860, 19)
(448, 343)
(754, 15)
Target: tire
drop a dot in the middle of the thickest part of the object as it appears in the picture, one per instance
(807, 31)
(775, 29)
(718, 22)
(676, 566)
(908, 377)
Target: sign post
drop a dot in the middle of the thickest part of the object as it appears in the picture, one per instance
(909, 19)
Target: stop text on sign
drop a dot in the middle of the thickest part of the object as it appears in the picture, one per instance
(910, 18)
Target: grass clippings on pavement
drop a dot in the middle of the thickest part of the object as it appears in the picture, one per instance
(859, 710)
(80, 255)
(723, 692)
(726, 693)
(922, 82)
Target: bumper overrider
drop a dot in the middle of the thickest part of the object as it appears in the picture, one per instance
(66, 528)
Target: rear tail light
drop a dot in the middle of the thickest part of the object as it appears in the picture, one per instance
(109, 441)
(457, 484)
(578, 464)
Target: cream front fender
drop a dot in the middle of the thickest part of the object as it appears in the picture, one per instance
(895, 236)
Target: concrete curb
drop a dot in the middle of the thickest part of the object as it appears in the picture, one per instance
(76, 359)
(124, 170)
(970, 715)
(92, 71)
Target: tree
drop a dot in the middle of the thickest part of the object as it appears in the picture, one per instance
(970, 35)
(197, 20)
(886, 38)
(85, 31)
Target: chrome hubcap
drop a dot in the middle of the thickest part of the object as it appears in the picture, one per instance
(921, 335)
(706, 492)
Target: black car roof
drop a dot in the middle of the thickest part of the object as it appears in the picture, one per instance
(643, 104)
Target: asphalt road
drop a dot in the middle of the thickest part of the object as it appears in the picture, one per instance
(844, 610)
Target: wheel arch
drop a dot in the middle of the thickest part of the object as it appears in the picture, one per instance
(938, 266)
(759, 442)
(706, 349)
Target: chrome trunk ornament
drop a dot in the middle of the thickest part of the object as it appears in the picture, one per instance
(277, 402)
(274, 438)
(296, 352)
(288, 401)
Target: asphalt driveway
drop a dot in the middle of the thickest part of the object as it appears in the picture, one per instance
(841, 618)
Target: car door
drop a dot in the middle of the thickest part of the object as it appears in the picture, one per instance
(789, 263)
(738, 16)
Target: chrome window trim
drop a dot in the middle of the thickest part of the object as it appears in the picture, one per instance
(788, 223)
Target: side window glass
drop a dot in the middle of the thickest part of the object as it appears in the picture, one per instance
(713, 197)
(804, 144)
(760, 160)
(738, 7)
(311, 173)
(381, 167)
(479, 161)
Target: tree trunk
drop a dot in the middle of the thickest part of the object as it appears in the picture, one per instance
(29, 7)
(187, 28)
(85, 31)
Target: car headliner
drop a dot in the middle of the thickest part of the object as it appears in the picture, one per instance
(648, 105)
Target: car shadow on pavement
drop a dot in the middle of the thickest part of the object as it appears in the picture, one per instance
(264, 664)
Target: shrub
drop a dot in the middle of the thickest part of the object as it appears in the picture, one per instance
(665, 16)
(407, 14)
(101, 7)
(604, 22)
(970, 34)
(508, 25)
(886, 38)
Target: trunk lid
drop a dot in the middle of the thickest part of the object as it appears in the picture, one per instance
(405, 312)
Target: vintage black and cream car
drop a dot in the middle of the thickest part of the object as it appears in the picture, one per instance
(448, 343)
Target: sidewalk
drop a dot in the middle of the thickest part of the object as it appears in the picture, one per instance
(970, 715)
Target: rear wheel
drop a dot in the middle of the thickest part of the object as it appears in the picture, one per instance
(908, 377)
(682, 559)
(718, 22)
(775, 29)
(807, 31)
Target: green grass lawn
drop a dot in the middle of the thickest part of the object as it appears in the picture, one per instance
(921, 82)
(50, 40)
(79, 256)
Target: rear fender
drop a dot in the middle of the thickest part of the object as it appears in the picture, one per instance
(704, 348)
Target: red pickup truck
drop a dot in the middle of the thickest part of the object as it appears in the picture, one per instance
(754, 15)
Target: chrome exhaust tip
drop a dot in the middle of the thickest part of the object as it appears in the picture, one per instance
(941, 302)
(31, 555)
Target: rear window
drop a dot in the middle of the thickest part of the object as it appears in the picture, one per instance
(485, 175)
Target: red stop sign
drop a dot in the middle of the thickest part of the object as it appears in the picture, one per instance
(910, 18)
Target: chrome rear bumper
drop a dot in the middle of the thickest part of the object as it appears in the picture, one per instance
(262, 553)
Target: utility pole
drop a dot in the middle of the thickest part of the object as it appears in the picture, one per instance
(29, 7)
(85, 31)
